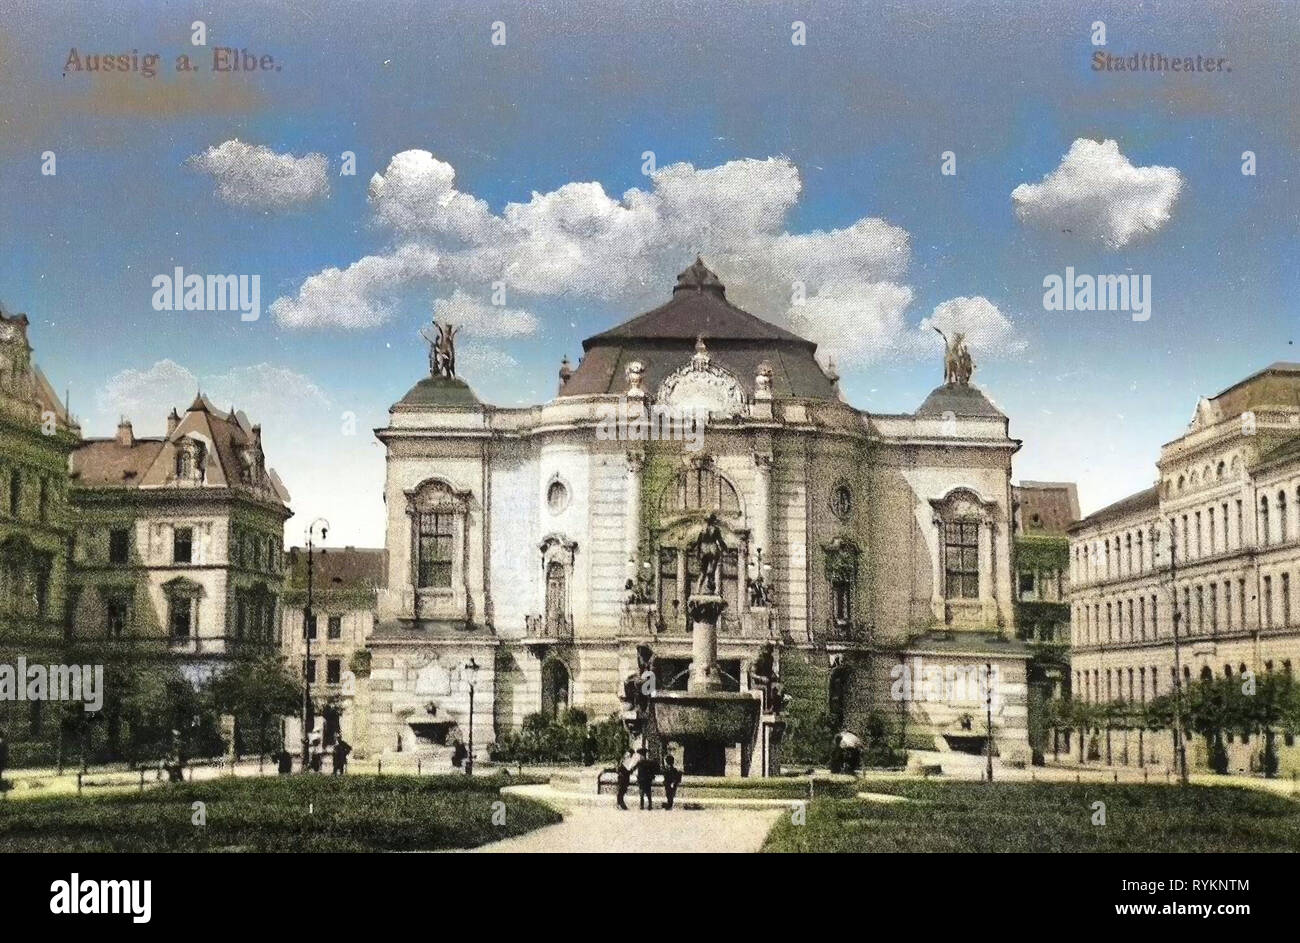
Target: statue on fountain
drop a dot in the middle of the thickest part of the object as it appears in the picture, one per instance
(708, 546)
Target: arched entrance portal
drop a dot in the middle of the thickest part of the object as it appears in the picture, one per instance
(555, 688)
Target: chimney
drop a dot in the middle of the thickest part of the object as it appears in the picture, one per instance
(125, 436)
(173, 421)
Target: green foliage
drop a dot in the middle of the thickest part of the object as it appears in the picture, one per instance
(1210, 708)
(256, 692)
(273, 814)
(881, 743)
(543, 739)
(810, 729)
(1044, 818)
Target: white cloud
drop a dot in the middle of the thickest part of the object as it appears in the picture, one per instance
(264, 392)
(1096, 194)
(578, 242)
(483, 319)
(855, 324)
(302, 427)
(256, 176)
(483, 360)
(987, 329)
(359, 296)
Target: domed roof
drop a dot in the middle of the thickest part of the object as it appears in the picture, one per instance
(962, 400)
(440, 391)
(663, 339)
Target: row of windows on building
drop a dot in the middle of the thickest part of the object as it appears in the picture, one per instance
(1203, 533)
(253, 551)
(1205, 608)
(333, 628)
(333, 670)
(25, 586)
(19, 499)
(254, 617)
(1088, 683)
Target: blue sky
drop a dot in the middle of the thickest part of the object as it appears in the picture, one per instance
(844, 130)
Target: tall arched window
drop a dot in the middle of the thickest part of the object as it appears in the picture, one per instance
(1281, 516)
(1263, 520)
(700, 489)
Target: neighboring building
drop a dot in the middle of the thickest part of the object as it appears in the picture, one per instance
(1227, 504)
(36, 437)
(179, 541)
(513, 533)
(1044, 510)
(345, 587)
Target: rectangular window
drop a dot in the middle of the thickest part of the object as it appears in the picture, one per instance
(436, 532)
(1210, 522)
(333, 670)
(1227, 604)
(182, 616)
(116, 615)
(183, 545)
(309, 669)
(1268, 602)
(1241, 600)
(842, 601)
(309, 627)
(119, 546)
(1214, 608)
(335, 629)
(961, 560)
(1026, 584)
(1286, 599)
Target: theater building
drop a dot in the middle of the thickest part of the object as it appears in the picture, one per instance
(547, 550)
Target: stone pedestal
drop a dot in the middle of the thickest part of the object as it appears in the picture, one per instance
(704, 612)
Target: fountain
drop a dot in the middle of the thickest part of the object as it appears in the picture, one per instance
(705, 719)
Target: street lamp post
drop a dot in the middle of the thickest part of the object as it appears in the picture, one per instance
(307, 617)
(988, 715)
(471, 677)
(1180, 744)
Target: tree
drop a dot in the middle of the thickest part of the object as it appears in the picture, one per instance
(255, 692)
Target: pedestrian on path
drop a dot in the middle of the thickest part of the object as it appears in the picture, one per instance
(625, 769)
(672, 780)
(645, 779)
(341, 750)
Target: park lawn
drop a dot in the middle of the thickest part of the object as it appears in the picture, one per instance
(1045, 817)
(275, 814)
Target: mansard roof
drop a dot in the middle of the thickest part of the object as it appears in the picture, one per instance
(664, 338)
(229, 441)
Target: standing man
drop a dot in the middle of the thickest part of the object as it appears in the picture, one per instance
(672, 779)
(341, 750)
(645, 779)
(625, 768)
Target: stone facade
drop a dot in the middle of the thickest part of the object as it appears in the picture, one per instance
(345, 586)
(36, 437)
(1217, 542)
(548, 543)
(178, 548)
